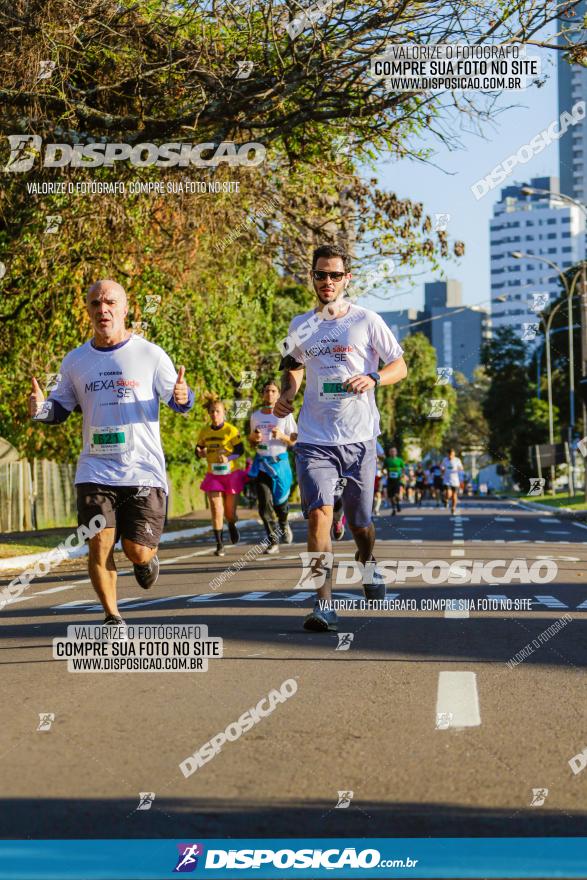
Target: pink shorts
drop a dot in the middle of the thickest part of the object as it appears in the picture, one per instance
(230, 484)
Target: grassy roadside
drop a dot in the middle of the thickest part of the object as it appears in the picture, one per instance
(565, 500)
(23, 543)
(562, 499)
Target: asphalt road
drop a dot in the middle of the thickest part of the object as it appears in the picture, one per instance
(421, 718)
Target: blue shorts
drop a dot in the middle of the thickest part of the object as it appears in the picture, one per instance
(329, 472)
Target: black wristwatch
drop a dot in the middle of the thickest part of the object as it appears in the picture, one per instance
(376, 378)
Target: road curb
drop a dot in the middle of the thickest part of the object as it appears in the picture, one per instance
(14, 563)
(562, 512)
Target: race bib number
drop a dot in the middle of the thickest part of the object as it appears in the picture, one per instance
(221, 467)
(111, 440)
(334, 391)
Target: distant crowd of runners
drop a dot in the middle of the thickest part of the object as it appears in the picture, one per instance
(118, 380)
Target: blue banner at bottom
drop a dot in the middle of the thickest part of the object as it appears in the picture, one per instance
(415, 857)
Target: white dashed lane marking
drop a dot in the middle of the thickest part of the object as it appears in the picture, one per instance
(456, 613)
(457, 700)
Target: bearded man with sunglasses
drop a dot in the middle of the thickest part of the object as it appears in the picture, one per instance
(339, 344)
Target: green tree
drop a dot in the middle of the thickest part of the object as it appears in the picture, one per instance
(406, 408)
(468, 426)
(504, 358)
(533, 430)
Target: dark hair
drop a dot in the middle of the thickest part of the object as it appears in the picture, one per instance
(331, 250)
(268, 383)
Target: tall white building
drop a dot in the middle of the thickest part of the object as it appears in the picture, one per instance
(572, 87)
(536, 224)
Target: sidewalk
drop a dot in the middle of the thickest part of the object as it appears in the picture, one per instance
(189, 526)
(562, 512)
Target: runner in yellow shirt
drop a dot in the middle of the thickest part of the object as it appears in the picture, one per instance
(220, 443)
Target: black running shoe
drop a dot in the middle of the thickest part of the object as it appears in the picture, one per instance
(147, 575)
(234, 533)
(115, 628)
(219, 550)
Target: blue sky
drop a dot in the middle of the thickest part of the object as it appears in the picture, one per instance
(445, 186)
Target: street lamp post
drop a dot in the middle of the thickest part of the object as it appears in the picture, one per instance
(570, 291)
(533, 190)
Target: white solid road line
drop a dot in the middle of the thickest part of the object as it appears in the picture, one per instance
(457, 701)
(121, 573)
(457, 552)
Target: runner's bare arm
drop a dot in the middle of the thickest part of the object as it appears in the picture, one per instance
(393, 372)
(390, 374)
(287, 439)
(291, 380)
(49, 411)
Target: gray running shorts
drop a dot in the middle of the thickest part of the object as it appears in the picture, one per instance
(329, 472)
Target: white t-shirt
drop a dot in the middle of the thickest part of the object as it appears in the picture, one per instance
(266, 422)
(452, 471)
(332, 351)
(118, 392)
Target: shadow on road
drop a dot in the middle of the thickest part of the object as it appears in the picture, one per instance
(196, 818)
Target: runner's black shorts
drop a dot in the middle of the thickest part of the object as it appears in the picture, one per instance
(438, 483)
(138, 513)
(393, 486)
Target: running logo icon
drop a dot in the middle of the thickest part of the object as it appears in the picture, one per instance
(539, 795)
(529, 331)
(146, 799)
(247, 380)
(436, 408)
(344, 641)
(240, 408)
(46, 719)
(52, 223)
(443, 720)
(24, 148)
(316, 567)
(539, 302)
(152, 303)
(46, 69)
(344, 800)
(188, 857)
(441, 222)
(443, 375)
(52, 381)
(244, 70)
(536, 486)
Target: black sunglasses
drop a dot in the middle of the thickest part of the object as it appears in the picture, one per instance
(317, 275)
